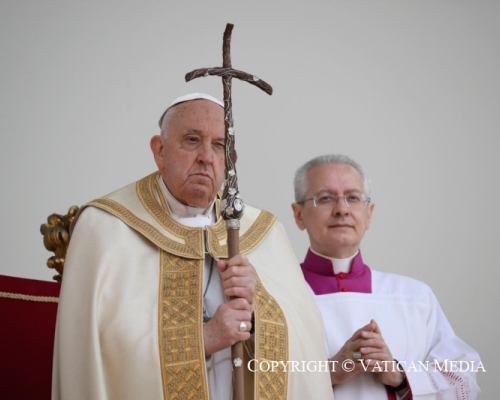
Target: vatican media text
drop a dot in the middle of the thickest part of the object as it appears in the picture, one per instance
(367, 365)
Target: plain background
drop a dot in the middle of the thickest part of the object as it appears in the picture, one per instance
(410, 89)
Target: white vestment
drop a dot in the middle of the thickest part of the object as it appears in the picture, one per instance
(414, 328)
(112, 335)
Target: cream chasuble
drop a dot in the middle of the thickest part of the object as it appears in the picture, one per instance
(130, 314)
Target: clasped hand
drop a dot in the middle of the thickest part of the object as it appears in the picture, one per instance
(375, 357)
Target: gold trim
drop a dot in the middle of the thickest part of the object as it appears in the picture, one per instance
(29, 297)
(193, 237)
(248, 241)
(271, 345)
(182, 354)
(157, 189)
(146, 229)
(148, 191)
(219, 229)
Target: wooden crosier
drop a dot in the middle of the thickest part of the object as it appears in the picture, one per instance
(232, 206)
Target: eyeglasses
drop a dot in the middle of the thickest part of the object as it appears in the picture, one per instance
(326, 201)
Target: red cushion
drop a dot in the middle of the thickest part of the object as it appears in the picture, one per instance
(27, 327)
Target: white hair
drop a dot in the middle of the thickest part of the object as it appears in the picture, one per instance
(300, 181)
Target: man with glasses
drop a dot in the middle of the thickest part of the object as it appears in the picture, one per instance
(387, 336)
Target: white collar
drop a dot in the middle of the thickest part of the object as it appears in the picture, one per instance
(339, 264)
(186, 215)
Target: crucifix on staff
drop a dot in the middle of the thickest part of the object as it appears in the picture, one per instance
(232, 206)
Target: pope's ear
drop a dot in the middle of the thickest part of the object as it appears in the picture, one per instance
(297, 213)
(156, 145)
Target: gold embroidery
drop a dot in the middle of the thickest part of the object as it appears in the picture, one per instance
(180, 328)
(271, 345)
(250, 239)
(145, 229)
(219, 229)
(146, 189)
(155, 188)
(193, 236)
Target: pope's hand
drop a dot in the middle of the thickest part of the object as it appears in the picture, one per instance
(238, 283)
(238, 278)
(223, 330)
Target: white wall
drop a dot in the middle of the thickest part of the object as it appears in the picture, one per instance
(410, 89)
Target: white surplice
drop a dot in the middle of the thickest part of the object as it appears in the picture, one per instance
(415, 329)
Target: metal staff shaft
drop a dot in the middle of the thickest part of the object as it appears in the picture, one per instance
(232, 206)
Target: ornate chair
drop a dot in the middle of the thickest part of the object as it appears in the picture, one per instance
(28, 310)
(56, 235)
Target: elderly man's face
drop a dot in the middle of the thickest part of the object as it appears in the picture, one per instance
(190, 153)
(335, 231)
